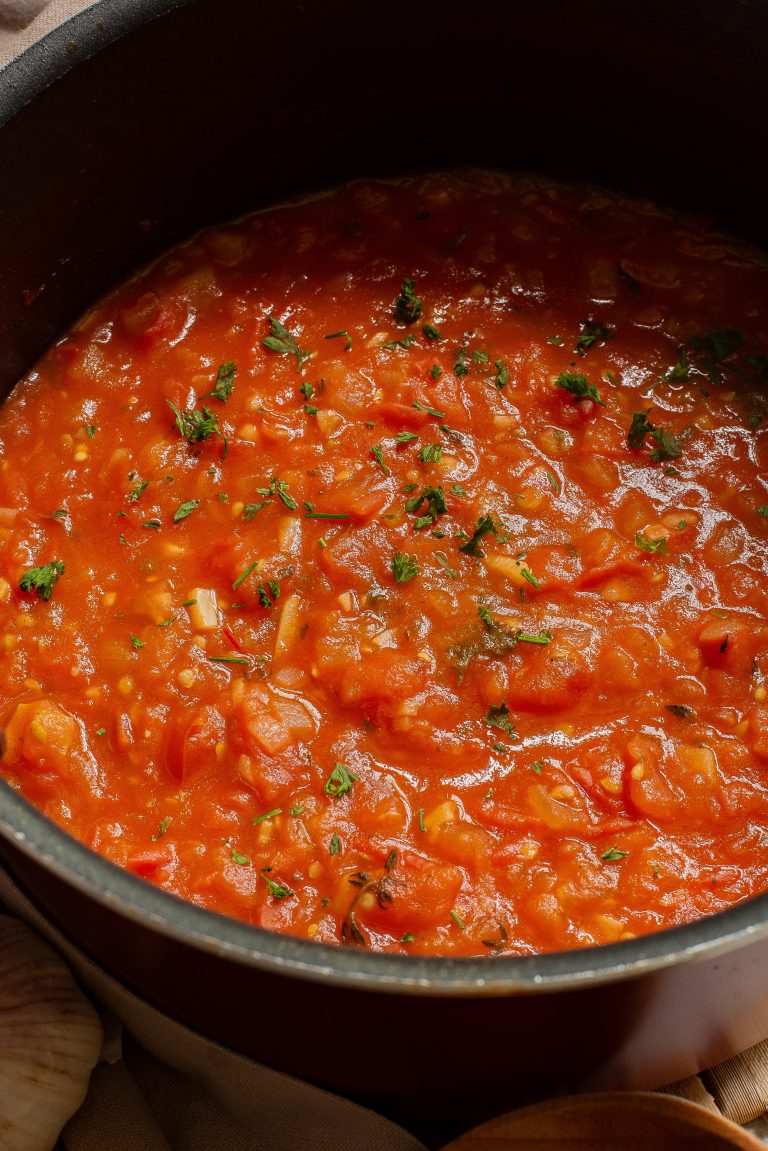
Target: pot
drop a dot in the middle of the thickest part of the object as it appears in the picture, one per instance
(137, 123)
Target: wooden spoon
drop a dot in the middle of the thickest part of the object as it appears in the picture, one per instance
(609, 1121)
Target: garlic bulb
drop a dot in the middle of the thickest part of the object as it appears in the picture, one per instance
(50, 1039)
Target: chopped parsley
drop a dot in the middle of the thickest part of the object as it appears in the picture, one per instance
(498, 717)
(435, 371)
(250, 510)
(244, 575)
(502, 374)
(404, 567)
(460, 366)
(184, 510)
(311, 514)
(341, 336)
(334, 847)
(240, 860)
(656, 547)
(277, 890)
(90, 430)
(485, 613)
(591, 333)
(613, 854)
(228, 659)
(225, 382)
(405, 437)
(340, 781)
(405, 342)
(407, 307)
(165, 823)
(137, 491)
(436, 506)
(267, 595)
(431, 333)
(136, 642)
(61, 514)
(431, 454)
(578, 386)
(485, 526)
(43, 579)
(458, 920)
(195, 426)
(268, 815)
(668, 444)
(556, 341)
(283, 343)
(543, 637)
(430, 411)
(763, 511)
(680, 371)
(378, 454)
(715, 347)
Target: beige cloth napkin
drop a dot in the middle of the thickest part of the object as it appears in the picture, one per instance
(162, 1087)
(22, 22)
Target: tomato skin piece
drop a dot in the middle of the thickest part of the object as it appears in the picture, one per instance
(190, 745)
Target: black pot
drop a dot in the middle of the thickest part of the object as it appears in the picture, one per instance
(138, 122)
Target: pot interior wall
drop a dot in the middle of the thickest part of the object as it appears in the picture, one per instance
(212, 109)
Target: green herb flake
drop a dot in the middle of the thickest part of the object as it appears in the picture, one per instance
(430, 411)
(404, 567)
(334, 847)
(422, 825)
(458, 490)
(267, 815)
(612, 855)
(378, 454)
(591, 333)
(240, 860)
(340, 336)
(454, 915)
(409, 937)
(537, 766)
(225, 382)
(763, 511)
(281, 341)
(136, 642)
(184, 510)
(498, 717)
(460, 366)
(556, 341)
(195, 426)
(431, 454)
(42, 579)
(228, 659)
(297, 810)
(135, 492)
(431, 333)
(680, 371)
(655, 547)
(340, 781)
(311, 514)
(244, 575)
(61, 514)
(277, 890)
(485, 526)
(165, 823)
(101, 731)
(251, 510)
(578, 386)
(405, 437)
(543, 637)
(485, 613)
(435, 371)
(152, 525)
(407, 306)
(502, 374)
(90, 430)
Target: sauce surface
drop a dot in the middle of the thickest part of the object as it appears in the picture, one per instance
(390, 569)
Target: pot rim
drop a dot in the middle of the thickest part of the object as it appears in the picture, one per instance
(42, 841)
(118, 890)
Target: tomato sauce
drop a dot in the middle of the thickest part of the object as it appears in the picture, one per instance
(389, 569)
